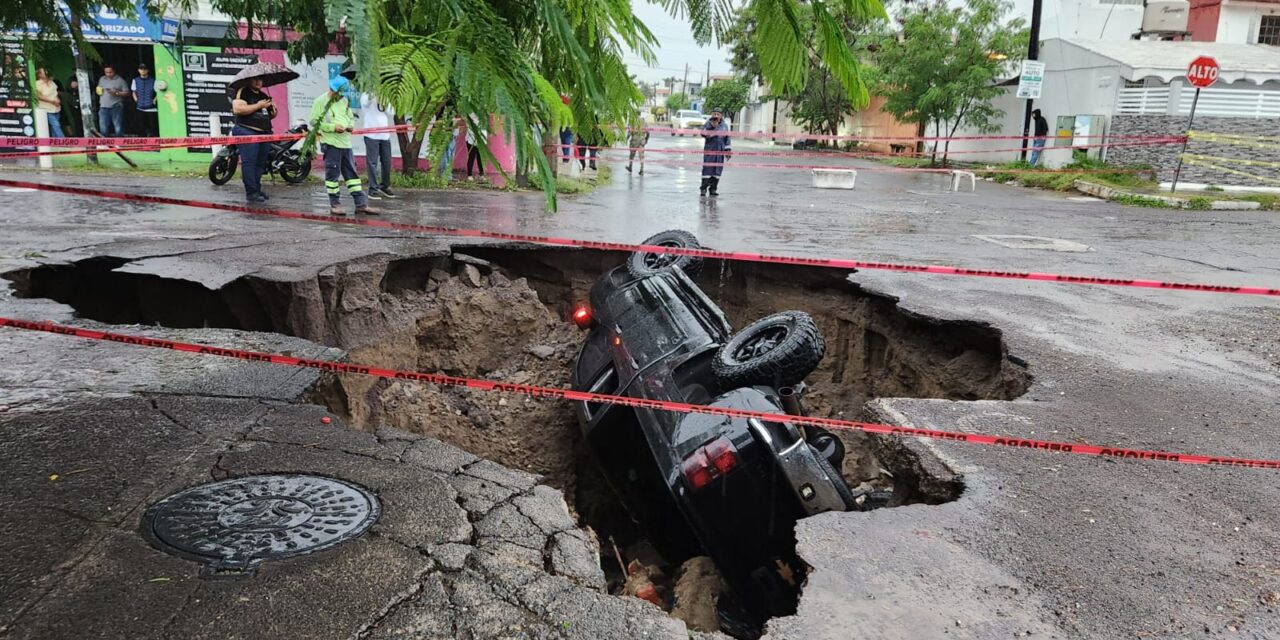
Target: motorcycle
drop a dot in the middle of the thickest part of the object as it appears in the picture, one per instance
(284, 159)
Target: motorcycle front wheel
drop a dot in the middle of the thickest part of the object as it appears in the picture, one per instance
(294, 168)
(223, 168)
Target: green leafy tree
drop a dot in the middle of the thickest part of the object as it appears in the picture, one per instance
(677, 101)
(821, 103)
(516, 58)
(58, 20)
(944, 68)
(728, 95)
(822, 106)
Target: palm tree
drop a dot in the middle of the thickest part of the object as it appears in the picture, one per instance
(515, 58)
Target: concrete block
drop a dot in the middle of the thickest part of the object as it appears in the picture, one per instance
(834, 178)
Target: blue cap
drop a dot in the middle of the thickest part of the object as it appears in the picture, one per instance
(339, 84)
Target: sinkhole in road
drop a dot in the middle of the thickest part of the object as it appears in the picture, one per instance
(500, 313)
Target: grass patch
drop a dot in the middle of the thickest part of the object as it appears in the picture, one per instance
(907, 162)
(1128, 177)
(154, 171)
(1136, 200)
(1269, 201)
(573, 185)
(565, 184)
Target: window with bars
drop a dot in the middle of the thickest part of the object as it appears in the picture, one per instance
(1269, 31)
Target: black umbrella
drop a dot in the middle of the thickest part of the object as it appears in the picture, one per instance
(270, 73)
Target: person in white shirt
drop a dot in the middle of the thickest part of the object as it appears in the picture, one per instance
(377, 146)
(473, 153)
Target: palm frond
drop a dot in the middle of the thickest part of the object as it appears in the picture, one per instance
(838, 57)
(782, 52)
(412, 74)
(708, 19)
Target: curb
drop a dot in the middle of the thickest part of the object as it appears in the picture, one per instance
(1111, 193)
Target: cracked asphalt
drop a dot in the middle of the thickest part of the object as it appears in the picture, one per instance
(1040, 545)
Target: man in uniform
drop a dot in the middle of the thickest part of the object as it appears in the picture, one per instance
(332, 118)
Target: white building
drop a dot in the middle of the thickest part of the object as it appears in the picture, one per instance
(1138, 87)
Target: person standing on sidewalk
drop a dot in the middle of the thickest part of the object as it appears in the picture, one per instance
(112, 90)
(715, 151)
(144, 98)
(50, 101)
(1042, 130)
(456, 127)
(71, 98)
(377, 146)
(253, 111)
(473, 153)
(332, 118)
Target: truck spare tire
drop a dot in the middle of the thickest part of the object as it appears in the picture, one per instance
(780, 349)
(643, 265)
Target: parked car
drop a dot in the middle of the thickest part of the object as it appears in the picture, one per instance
(688, 119)
(732, 488)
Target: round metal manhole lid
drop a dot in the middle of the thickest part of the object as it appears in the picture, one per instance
(237, 523)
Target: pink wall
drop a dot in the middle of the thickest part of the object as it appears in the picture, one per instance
(1202, 22)
(499, 146)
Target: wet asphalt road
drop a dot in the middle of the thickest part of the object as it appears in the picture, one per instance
(1042, 544)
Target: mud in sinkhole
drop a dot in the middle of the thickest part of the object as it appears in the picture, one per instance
(501, 314)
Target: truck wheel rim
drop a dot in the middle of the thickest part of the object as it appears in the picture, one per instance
(761, 343)
(662, 260)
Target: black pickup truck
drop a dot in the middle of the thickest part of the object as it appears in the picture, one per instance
(732, 488)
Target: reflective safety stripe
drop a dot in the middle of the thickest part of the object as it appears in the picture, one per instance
(354, 185)
(331, 187)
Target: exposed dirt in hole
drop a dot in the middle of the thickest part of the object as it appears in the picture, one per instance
(498, 313)
(497, 330)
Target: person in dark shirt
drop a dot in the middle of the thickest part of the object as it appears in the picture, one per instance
(144, 100)
(1042, 130)
(715, 152)
(72, 119)
(253, 111)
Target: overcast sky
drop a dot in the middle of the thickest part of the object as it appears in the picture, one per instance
(676, 47)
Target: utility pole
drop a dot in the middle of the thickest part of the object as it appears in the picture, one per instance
(684, 88)
(706, 82)
(1033, 53)
(83, 80)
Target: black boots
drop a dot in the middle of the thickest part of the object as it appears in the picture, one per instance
(702, 189)
(715, 182)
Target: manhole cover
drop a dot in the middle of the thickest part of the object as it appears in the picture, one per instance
(232, 525)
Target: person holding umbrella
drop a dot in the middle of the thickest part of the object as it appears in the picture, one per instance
(715, 150)
(253, 110)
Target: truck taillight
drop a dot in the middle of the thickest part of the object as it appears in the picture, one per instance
(709, 462)
(582, 317)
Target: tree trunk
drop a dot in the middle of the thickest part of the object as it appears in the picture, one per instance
(920, 129)
(551, 151)
(410, 146)
(84, 88)
(933, 159)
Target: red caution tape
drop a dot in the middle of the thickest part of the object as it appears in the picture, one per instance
(110, 145)
(535, 391)
(854, 138)
(857, 155)
(742, 256)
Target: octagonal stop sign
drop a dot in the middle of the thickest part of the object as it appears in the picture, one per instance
(1203, 72)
